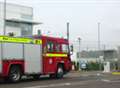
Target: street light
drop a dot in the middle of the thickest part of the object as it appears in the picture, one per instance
(99, 48)
(99, 36)
(79, 40)
(68, 37)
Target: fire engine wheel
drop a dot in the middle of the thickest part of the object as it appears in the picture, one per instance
(60, 72)
(14, 74)
(52, 76)
(36, 76)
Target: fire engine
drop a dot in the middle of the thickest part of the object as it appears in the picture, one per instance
(33, 56)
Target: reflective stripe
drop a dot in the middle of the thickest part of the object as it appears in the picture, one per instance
(56, 55)
(20, 40)
(37, 41)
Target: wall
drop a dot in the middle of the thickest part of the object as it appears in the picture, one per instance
(16, 12)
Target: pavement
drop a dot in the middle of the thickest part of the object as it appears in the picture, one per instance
(94, 79)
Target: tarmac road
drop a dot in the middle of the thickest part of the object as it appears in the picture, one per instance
(71, 80)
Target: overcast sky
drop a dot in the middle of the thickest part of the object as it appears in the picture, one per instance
(83, 16)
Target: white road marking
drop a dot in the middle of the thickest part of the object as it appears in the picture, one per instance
(50, 85)
(58, 85)
(105, 80)
(115, 81)
(110, 81)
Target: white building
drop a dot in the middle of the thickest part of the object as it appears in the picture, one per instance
(19, 20)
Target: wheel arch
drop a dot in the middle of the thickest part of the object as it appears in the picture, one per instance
(61, 64)
(16, 65)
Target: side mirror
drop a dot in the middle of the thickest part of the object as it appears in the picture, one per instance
(71, 49)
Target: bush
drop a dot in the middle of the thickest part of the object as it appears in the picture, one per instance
(92, 66)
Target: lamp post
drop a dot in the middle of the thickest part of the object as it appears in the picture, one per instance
(99, 48)
(79, 40)
(78, 61)
(4, 28)
(98, 36)
(68, 37)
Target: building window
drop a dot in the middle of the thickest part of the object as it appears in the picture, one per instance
(12, 24)
(26, 29)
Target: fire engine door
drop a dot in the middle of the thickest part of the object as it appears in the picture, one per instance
(33, 58)
(0, 59)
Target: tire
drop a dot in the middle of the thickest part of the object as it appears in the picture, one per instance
(14, 74)
(52, 76)
(60, 72)
(36, 76)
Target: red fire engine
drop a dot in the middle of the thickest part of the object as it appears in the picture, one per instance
(33, 56)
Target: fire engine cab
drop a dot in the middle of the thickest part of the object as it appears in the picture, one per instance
(33, 56)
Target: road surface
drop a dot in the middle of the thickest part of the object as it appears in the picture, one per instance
(71, 80)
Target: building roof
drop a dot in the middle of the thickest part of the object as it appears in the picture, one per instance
(23, 21)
